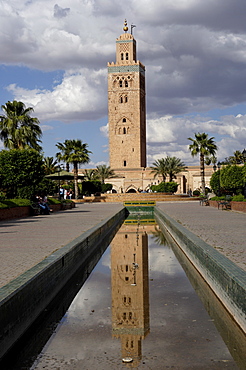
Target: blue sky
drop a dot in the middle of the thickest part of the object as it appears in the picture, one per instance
(54, 58)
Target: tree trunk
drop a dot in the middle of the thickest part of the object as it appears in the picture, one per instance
(76, 180)
(202, 172)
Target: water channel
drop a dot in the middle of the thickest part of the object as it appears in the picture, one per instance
(137, 309)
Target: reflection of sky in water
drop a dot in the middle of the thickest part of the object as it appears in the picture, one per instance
(94, 295)
(162, 261)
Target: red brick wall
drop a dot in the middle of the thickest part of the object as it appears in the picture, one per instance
(16, 212)
(238, 206)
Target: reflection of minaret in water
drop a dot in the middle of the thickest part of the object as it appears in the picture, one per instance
(130, 290)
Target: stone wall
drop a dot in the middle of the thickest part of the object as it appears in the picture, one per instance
(125, 197)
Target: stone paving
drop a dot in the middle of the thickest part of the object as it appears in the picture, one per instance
(27, 241)
(223, 229)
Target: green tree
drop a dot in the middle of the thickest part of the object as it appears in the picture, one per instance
(75, 152)
(215, 182)
(21, 171)
(90, 175)
(50, 165)
(17, 129)
(205, 147)
(174, 166)
(103, 172)
(160, 168)
(236, 158)
(91, 187)
(106, 187)
(232, 178)
(65, 149)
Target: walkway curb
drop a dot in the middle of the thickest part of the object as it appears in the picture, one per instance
(226, 279)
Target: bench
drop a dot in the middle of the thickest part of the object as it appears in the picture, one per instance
(204, 201)
(35, 208)
(225, 203)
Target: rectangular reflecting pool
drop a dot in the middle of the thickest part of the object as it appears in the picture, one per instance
(138, 309)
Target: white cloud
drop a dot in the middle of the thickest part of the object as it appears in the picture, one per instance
(168, 136)
(104, 130)
(77, 97)
(46, 127)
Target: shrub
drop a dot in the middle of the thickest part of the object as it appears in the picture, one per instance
(2, 205)
(53, 201)
(106, 187)
(11, 203)
(165, 187)
(91, 187)
(196, 193)
(238, 198)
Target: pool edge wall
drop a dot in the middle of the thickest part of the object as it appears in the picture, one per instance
(23, 299)
(225, 278)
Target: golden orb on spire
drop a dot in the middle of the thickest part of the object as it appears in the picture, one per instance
(125, 28)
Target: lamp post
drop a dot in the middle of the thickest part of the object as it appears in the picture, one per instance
(244, 155)
(244, 161)
(219, 165)
(59, 169)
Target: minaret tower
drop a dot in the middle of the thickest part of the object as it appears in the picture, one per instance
(126, 106)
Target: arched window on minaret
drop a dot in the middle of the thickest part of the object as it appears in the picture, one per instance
(122, 56)
(127, 56)
(121, 99)
(120, 83)
(126, 99)
(124, 130)
(124, 120)
(124, 163)
(126, 84)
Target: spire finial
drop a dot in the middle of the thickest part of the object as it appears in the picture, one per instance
(125, 28)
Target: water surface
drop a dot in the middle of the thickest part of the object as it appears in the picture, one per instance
(137, 309)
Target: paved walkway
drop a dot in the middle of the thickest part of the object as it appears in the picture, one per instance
(223, 230)
(27, 241)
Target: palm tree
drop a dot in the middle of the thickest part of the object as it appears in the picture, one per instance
(90, 175)
(174, 166)
(103, 172)
(236, 158)
(64, 151)
(205, 147)
(159, 167)
(50, 165)
(17, 129)
(75, 152)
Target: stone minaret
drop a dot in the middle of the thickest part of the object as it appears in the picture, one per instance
(126, 106)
